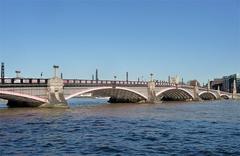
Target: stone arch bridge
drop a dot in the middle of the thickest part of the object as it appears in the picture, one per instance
(56, 92)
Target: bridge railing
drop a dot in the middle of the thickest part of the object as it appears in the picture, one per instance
(185, 86)
(6, 81)
(164, 83)
(78, 82)
(23, 81)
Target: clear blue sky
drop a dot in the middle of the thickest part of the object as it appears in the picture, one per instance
(196, 39)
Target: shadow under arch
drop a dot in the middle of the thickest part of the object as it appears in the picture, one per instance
(226, 97)
(173, 94)
(21, 100)
(117, 95)
(206, 95)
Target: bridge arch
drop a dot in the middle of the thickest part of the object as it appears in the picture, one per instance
(225, 96)
(173, 94)
(208, 95)
(21, 99)
(118, 92)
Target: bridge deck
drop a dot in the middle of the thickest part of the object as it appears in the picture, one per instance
(40, 82)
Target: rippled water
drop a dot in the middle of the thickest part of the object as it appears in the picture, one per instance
(91, 127)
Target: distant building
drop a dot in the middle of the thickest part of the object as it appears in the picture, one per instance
(174, 79)
(193, 83)
(217, 83)
(226, 83)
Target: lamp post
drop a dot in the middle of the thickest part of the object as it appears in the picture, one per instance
(2, 72)
(55, 67)
(17, 73)
(151, 76)
(115, 82)
(176, 81)
(208, 87)
(234, 92)
(96, 75)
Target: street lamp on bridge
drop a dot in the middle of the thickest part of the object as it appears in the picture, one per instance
(55, 67)
(151, 76)
(17, 73)
(2, 71)
(115, 81)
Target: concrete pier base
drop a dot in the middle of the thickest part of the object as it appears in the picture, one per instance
(151, 92)
(57, 105)
(55, 94)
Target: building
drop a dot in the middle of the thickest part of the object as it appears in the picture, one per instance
(226, 83)
(193, 83)
(217, 83)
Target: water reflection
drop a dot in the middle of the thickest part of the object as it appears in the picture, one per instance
(94, 127)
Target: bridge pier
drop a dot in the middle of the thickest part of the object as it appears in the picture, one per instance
(151, 92)
(196, 92)
(219, 93)
(234, 93)
(55, 93)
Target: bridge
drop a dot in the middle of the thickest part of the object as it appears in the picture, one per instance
(54, 92)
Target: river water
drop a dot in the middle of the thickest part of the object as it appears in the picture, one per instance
(93, 127)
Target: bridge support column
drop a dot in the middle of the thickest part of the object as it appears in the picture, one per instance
(55, 93)
(151, 92)
(195, 92)
(218, 93)
(234, 93)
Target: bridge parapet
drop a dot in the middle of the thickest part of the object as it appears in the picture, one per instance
(164, 84)
(39, 82)
(78, 83)
(23, 82)
(186, 86)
